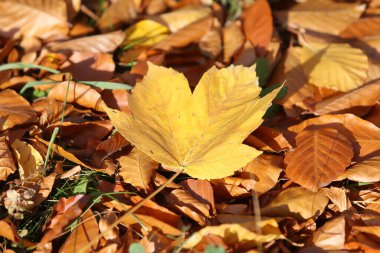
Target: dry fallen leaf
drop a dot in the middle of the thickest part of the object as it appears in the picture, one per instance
(365, 171)
(199, 127)
(321, 156)
(37, 18)
(258, 25)
(119, 12)
(30, 161)
(7, 165)
(137, 169)
(335, 66)
(297, 202)
(325, 16)
(14, 110)
(236, 233)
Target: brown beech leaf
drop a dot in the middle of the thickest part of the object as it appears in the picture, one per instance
(116, 99)
(14, 110)
(102, 43)
(151, 208)
(64, 212)
(9, 231)
(201, 190)
(323, 16)
(232, 187)
(85, 232)
(258, 25)
(33, 18)
(365, 171)
(119, 12)
(42, 186)
(89, 66)
(364, 136)
(78, 93)
(321, 156)
(51, 110)
(265, 169)
(233, 40)
(108, 147)
(7, 165)
(188, 205)
(361, 28)
(268, 139)
(189, 34)
(298, 203)
(364, 96)
(137, 169)
(81, 135)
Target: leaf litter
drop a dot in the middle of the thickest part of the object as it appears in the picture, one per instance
(189, 126)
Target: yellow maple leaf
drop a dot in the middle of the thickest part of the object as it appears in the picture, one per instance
(201, 132)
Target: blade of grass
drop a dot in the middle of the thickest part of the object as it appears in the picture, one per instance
(64, 105)
(107, 85)
(52, 139)
(22, 65)
(35, 83)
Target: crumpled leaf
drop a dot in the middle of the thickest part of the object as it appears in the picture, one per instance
(237, 234)
(297, 202)
(14, 110)
(7, 165)
(200, 132)
(321, 156)
(137, 169)
(29, 160)
(334, 66)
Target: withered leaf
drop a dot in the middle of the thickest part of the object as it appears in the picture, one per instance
(7, 165)
(321, 156)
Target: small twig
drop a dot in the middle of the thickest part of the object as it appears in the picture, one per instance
(89, 13)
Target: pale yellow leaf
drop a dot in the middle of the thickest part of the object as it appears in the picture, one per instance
(28, 158)
(200, 132)
(146, 33)
(334, 66)
(297, 202)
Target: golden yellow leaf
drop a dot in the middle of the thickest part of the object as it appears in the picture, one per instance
(28, 158)
(237, 233)
(146, 33)
(334, 66)
(201, 132)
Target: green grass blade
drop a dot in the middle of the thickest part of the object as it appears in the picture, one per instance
(107, 85)
(22, 65)
(35, 83)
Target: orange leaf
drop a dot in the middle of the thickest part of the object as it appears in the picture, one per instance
(321, 156)
(258, 25)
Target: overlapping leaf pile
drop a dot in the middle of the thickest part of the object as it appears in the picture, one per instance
(185, 161)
